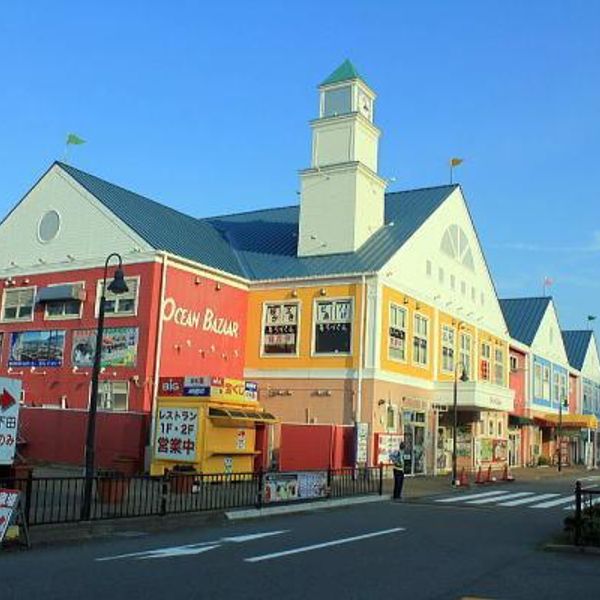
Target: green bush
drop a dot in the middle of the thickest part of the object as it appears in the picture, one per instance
(543, 461)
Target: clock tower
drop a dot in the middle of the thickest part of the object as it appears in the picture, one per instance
(342, 196)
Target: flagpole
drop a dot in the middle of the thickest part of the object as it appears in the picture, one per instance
(451, 172)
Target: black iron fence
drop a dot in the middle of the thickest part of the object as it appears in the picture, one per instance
(50, 500)
(586, 522)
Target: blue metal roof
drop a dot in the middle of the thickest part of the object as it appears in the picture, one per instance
(523, 317)
(261, 244)
(576, 345)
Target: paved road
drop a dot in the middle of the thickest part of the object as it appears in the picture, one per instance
(424, 549)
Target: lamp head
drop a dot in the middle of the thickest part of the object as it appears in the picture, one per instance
(118, 285)
(464, 377)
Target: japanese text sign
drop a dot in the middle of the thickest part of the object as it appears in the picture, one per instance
(176, 432)
(10, 393)
(9, 500)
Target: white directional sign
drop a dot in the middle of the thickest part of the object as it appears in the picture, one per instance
(10, 393)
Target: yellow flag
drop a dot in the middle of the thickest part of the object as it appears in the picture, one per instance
(454, 162)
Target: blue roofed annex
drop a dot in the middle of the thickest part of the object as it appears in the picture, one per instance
(262, 244)
(523, 317)
(576, 344)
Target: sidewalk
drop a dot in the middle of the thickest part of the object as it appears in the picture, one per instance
(429, 485)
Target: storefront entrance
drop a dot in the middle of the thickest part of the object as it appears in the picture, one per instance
(414, 442)
(514, 449)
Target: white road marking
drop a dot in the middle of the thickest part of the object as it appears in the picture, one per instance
(253, 536)
(505, 496)
(469, 496)
(191, 549)
(551, 503)
(338, 542)
(528, 500)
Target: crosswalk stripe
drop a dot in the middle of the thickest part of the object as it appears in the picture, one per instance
(461, 498)
(505, 496)
(558, 502)
(529, 500)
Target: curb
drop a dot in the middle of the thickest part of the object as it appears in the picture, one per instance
(570, 549)
(255, 513)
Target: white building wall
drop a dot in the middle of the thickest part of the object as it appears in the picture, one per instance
(548, 341)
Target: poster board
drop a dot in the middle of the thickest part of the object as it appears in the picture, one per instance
(10, 393)
(386, 444)
(361, 441)
(11, 510)
(176, 432)
(286, 487)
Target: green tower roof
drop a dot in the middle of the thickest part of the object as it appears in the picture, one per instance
(344, 72)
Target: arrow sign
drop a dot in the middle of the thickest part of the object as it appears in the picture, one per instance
(6, 400)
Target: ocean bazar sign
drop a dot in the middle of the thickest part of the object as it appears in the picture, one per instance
(37, 349)
(10, 393)
(207, 320)
(119, 347)
(176, 432)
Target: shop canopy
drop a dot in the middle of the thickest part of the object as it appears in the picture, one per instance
(569, 421)
(240, 415)
(518, 420)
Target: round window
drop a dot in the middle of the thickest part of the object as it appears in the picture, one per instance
(49, 226)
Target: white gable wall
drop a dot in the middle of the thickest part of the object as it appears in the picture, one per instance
(548, 341)
(473, 298)
(591, 363)
(88, 230)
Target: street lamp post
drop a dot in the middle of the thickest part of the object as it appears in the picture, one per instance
(559, 434)
(116, 286)
(464, 378)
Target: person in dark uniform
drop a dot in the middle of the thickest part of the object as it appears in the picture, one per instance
(397, 459)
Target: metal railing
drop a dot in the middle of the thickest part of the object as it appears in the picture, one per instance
(586, 523)
(52, 500)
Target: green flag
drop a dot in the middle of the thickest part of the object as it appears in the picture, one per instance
(74, 139)
(591, 318)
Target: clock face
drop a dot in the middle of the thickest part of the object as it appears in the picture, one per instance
(364, 105)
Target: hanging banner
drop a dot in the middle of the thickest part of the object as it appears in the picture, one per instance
(361, 442)
(119, 347)
(10, 394)
(37, 349)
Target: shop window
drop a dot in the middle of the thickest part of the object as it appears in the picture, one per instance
(499, 366)
(465, 353)
(120, 304)
(280, 329)
(113, 395)
(499, 428)
(484, 362)
(491, 427)
(420, 340)
(397, 333)
(546, 383)
(65, 309)
(448, 342)
(333, 326)
(555, 387)
(18, 303)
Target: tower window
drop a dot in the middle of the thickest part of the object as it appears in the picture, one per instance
(337, 102)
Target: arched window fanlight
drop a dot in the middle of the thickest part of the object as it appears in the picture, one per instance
(456, 245)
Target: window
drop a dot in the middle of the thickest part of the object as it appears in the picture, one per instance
(563, 391)
(537, 381)
(428, 267)
(514, 364)
(546, 383)
(333, 326)
(391, 418)
(337, 102)
(280, 329)
(420, 340)
(397, 333)
(453, 282)
(18, 304)
(456, 245)
(499, 428)
(64, 309)
(499, 366)
(120, 304)
(465, 352)
(448, 342)
(441, 275)
(113, 395)
(484, 363)
(555, 387)
(463, 288)
(491, 427)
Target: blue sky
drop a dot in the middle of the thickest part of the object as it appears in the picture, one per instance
(205, 106)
